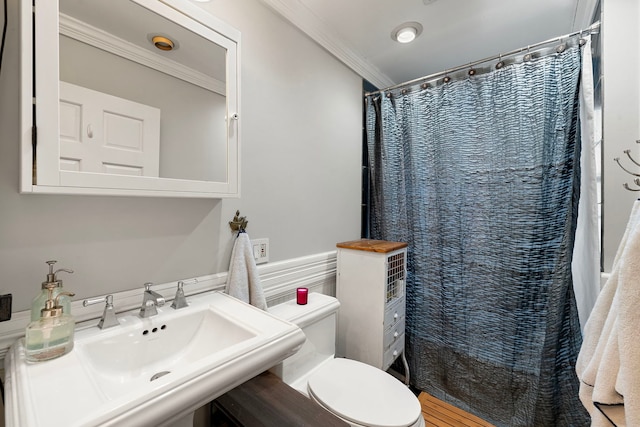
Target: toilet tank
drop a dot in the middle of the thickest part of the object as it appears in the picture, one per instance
(317, 319)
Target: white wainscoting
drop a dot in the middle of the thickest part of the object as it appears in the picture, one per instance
(279, 281)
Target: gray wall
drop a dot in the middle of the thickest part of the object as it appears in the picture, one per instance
(621, 116)
(301, 114)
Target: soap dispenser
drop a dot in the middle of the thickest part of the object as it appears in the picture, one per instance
(51, 335)
(38, 302)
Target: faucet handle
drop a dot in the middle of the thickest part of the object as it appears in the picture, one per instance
(158, 299)
(148, 309)
(180, 301)
(108, 318)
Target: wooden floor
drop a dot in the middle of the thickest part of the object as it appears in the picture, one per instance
(440, 414)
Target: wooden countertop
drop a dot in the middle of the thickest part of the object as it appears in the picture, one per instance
(381, 246)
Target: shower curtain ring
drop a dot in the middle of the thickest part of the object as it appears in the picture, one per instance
(527, 57)
(500, 63)
(446, 78)
(582, 41)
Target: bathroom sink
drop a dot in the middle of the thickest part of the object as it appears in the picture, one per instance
(152, 371)
(123, 359)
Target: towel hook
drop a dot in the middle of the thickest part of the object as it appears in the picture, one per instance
(636, 181)
(239, 223)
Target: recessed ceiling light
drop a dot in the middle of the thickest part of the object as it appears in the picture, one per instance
(406, 32)
(162, 43)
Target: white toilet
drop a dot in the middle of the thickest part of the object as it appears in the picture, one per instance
(357, 393)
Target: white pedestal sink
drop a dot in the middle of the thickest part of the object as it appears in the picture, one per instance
(148, 372)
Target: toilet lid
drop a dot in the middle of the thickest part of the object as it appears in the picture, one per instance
(364, 395)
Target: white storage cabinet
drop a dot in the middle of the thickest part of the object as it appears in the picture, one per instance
(371, 290)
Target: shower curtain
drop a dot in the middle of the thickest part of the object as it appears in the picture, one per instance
(481, 178)
(586, 254)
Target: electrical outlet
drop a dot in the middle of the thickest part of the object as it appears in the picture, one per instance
(5, 307)
(260, 250)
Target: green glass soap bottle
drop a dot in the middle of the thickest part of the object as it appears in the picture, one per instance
(38, 302)
(52, 334)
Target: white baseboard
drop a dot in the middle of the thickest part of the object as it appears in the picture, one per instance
(279, 281)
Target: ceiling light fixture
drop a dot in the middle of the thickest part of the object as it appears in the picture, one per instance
(406, 32)
(162, 43)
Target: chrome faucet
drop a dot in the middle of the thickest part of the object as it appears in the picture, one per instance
(150, 300)
(108, 318)
(180, 301)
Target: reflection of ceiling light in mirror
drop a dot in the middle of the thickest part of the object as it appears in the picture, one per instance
(406, 32)
(162, 43)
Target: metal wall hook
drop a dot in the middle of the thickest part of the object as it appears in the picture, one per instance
(238, 223)
(617, 160)
(626, 186)
(636, 181)
(628, 153)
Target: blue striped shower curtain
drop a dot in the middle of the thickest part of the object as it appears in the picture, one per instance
(481, 178)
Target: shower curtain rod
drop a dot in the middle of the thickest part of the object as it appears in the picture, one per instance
(592, 29)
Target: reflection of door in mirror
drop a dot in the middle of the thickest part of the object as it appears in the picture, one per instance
(102, 133)
(107, 48)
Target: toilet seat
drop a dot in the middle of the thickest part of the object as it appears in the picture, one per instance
(364, 395)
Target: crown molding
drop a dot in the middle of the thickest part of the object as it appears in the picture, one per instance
(303, 18)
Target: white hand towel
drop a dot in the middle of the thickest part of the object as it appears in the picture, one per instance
(243, 280)
(609, 361)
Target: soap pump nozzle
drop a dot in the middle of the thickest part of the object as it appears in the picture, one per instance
(51, 276)
(52, 307)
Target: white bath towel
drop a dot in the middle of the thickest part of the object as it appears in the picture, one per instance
(243, 280)
(609, 361)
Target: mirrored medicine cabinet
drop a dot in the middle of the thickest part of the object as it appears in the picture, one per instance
(128, 97)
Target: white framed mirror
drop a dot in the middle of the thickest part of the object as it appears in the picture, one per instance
(129, 97)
